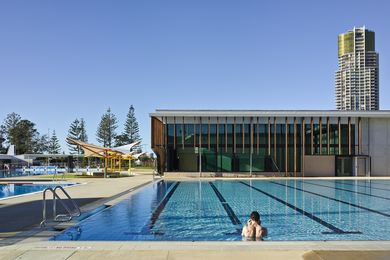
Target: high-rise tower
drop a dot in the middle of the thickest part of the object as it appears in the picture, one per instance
(357, 79)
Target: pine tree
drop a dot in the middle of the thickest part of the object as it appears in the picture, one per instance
(54, 146)
(131, 132)
(10, 122)
(82, 131)
(74, 133)
(2, 140)
(24, 136)
(77, 131)
(105, 133)
(41, 144)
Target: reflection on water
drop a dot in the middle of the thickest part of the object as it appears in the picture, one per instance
(12, 173)
(208, 210)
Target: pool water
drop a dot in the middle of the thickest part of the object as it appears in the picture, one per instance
(15, 189)
(217, 210)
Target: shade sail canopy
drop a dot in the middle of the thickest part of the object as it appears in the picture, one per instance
(126, 149)
(91, 150)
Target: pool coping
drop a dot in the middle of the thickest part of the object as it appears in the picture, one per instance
(203, 245)
(182, 178)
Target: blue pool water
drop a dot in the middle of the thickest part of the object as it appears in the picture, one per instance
(9, 190)
(217, 210)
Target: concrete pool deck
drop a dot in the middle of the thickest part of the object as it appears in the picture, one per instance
(27, 241)
(198, 250)
(21, 214)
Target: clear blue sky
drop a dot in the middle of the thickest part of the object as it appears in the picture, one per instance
(65, 59)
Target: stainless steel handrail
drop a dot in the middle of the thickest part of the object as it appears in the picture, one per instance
(43, 222)
(78, 213)
(60, 217)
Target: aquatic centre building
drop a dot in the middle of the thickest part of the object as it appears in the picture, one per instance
(287, 143)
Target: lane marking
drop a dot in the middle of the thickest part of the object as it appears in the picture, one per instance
(357, 192)
(156, 213)
(341, 201)
(305, 213)
(233, 217)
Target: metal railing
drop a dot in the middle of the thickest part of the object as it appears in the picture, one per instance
(56, 178)
(275, 165)
(59, 217)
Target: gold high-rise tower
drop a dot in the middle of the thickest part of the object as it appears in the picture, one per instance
(357, 79)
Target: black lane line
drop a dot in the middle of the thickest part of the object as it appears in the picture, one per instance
(357, 192)
(341, 201)
(156, 213)
(363, 186)
(372, 182)
(307, 214)
(228, 209)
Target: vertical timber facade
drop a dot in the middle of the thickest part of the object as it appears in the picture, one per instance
(291, 143)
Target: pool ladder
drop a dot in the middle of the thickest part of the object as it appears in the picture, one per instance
(59, 217)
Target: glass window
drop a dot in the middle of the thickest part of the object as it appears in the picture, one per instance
(171, 133)
(263, 135)
(280, 146)
(221, 138)
(239, 139)
(179, 134)
(247, 135)
(230, 135)
(238, 136)
(225, 161)
(344, 139)
(316, 138)
(307, 139)
(213, 134)
(299, 146)
(209, 160)
(272, 139)
(197, 135)
(255, 140)
(352, 139)
(205, 135)
(324, 139)
(189, 135)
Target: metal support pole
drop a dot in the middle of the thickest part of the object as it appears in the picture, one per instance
(286, 147)
(130, 166)
(200, 147)
(200, 161)
(120, 166)
(105, 164)
(303, 147)
(251, 150)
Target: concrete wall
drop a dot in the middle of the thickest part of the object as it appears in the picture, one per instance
(379, 146)
(320, 166)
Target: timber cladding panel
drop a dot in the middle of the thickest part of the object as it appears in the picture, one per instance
(158, 144)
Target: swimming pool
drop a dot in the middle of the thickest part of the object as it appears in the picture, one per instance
(216, 210)
(16, 189)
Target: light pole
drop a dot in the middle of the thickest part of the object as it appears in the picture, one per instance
(200, 162)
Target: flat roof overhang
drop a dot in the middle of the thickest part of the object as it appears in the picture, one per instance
(159, 113)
